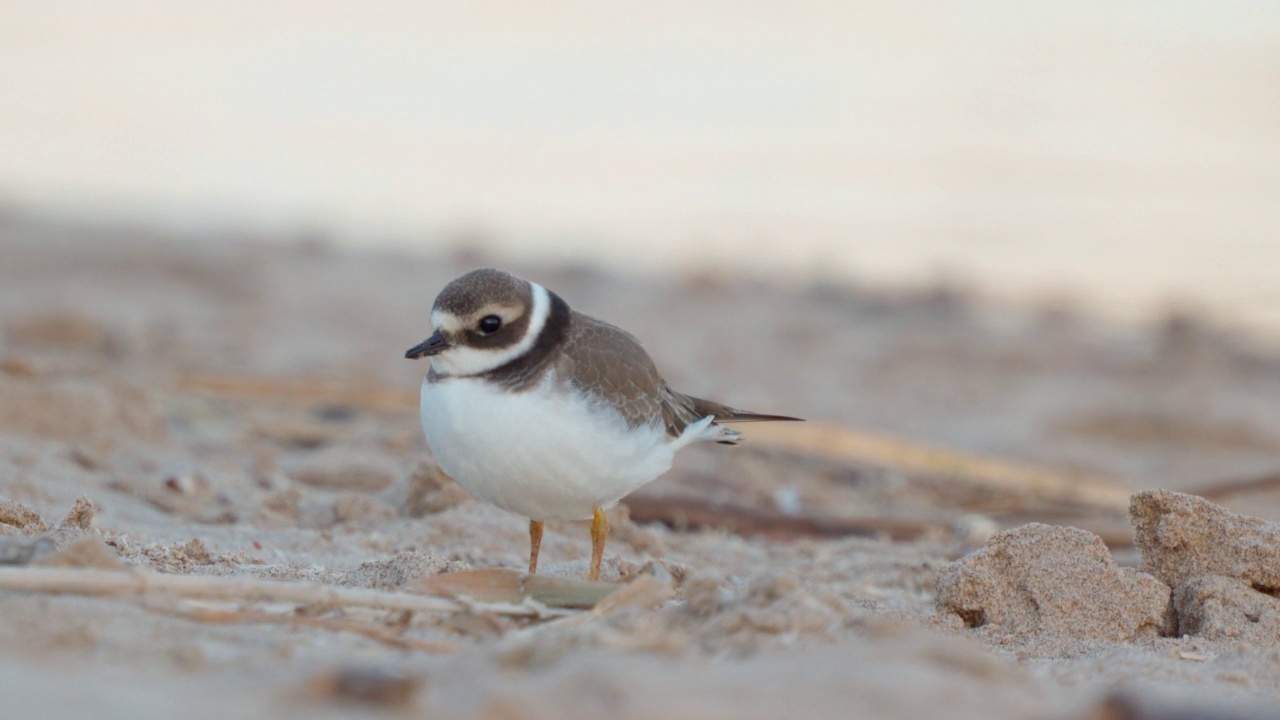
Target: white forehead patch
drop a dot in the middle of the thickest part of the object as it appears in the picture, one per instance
(445, 320)
(473, 361)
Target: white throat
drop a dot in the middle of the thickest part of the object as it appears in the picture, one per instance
(461, 360)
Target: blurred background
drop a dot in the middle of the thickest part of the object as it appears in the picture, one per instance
(1125, 155)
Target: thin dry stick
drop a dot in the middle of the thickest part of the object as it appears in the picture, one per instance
(373, 632)
(307, 391)
(115, 582)
(698, 512)
(845, 444)
(1225, 488)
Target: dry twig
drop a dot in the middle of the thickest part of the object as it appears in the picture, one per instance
(844, 444)
(304, 391)
(1218, 490)
(695, 512)
(369, 630)
(114, 582)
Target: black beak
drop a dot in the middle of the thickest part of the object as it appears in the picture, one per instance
(433, 345)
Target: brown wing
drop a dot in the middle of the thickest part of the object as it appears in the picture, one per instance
(609, 363)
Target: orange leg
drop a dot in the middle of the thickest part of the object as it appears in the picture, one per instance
(535, 544)
(599, 533)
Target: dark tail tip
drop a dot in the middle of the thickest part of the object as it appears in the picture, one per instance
(756, 417)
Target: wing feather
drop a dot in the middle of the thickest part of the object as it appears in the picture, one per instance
(611, 364)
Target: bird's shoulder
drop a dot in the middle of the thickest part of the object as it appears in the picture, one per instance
(610, 364)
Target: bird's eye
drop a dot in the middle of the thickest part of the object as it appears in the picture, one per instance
(489, 324)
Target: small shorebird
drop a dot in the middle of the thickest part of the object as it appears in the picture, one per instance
(549, 413)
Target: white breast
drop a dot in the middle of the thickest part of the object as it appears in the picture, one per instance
(545, 453)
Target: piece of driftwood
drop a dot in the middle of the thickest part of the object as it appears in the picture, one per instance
(239, 589)
(360, 395)
(378, 633)
(685, 511)
(1226, 488)
(839, 443)
(692, 512)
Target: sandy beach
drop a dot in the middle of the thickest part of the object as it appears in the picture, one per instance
(960, 529)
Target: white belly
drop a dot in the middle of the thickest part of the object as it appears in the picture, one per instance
(541, 453)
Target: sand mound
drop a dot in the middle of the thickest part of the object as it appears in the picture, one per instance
(76, 541)
(1224, 568)
(1040, 588)
(18, 519)
(1051, 585)
(403, 567)
(1183, 536)
(1217, 608)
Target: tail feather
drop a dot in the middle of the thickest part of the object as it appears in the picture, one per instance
(690, 419)
(726, 414)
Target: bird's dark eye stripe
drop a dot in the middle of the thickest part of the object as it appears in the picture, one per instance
(490, 324)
